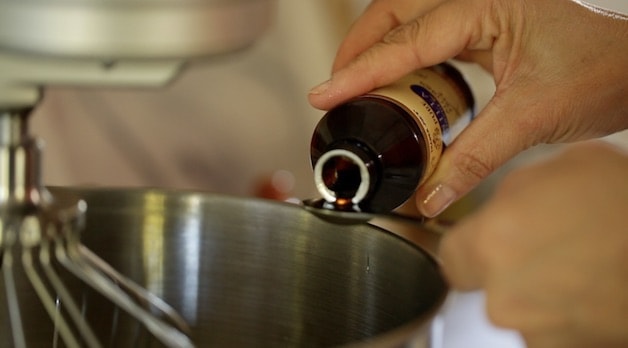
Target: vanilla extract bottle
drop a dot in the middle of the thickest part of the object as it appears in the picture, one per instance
(372, 152)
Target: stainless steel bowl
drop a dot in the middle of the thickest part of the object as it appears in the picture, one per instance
(247, 272)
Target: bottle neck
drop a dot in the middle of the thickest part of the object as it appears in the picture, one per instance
(386, 138)
(345, 175)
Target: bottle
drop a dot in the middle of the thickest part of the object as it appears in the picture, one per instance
(372, 152)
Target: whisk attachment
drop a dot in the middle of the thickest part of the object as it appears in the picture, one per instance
(43, 260)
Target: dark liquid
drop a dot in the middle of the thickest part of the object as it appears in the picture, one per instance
(342, 175)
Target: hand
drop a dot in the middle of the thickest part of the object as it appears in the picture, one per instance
(550, 249)
(559, 66)
(380, 17)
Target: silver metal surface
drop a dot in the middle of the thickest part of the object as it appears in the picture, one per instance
(43, 263)
(246, 272)
(20, 178)
(350, 216)
(137, 29)
(116, 42)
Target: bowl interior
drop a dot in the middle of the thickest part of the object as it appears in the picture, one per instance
(246, 272)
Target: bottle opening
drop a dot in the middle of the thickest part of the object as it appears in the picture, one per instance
(341, 177)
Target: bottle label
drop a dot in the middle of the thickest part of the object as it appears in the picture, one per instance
(439, 107)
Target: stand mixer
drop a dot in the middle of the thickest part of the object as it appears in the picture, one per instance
(238, 271)
(86, 43)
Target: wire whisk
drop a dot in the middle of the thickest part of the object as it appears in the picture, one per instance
(42, 260)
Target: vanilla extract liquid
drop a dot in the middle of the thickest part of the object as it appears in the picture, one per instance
(372, 152)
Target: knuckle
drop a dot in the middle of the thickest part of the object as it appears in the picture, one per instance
(407, 35)
(533, 125)
(402, 34)
(471, 167)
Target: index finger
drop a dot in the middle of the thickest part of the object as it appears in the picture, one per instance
(379, 18)
(432, 38)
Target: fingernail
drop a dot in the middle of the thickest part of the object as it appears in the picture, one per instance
(320, 89)
(437, 200)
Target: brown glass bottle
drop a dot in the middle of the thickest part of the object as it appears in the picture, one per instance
(372, 152)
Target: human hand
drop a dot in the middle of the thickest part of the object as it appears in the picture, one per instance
(560, 70)
(550, 250)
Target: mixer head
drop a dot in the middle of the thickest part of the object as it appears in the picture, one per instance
(116, 42)
(88, 43)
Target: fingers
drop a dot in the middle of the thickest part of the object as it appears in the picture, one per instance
(379, 18)
(430, 39)
(493, 252)
(540, 251)
(462, 266)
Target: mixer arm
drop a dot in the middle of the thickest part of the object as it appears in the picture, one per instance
(115, 42)
(24, 75)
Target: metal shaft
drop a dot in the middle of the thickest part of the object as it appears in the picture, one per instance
(20, 174)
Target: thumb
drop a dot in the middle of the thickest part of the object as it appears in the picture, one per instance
(503, 129)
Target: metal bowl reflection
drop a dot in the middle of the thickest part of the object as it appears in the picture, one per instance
(246, 272)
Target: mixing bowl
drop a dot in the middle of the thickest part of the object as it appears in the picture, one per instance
(254, 273)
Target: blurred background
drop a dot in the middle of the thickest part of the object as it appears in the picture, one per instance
(227, 124)
(240, 124)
